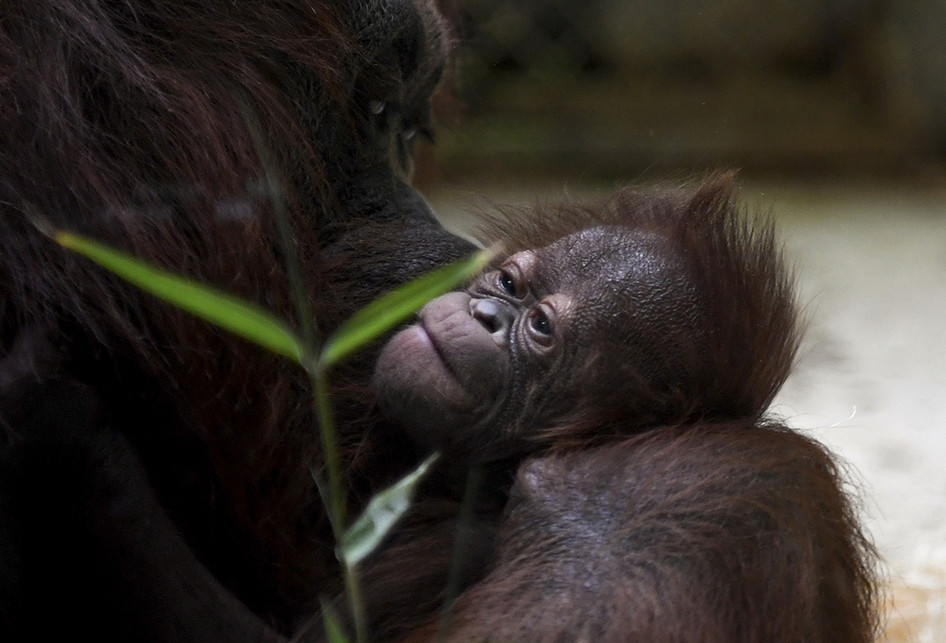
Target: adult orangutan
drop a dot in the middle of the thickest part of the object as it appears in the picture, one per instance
(154, 126)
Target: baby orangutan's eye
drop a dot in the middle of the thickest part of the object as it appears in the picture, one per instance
(507, 283)
(540, 326)
(539, 322)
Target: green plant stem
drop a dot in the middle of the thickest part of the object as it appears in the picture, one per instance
(334, 497)
(357, 606)
(336, 501)
(277, 196)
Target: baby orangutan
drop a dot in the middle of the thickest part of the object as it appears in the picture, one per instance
(654, 308)
(621, 358)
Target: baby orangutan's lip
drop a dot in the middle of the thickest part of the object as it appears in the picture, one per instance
(435, 347)
(424, 339)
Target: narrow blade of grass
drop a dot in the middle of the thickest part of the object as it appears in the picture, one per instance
(396, 306)
(233, 314)
(367, 532)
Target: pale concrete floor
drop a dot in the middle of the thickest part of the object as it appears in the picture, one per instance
(871, 380)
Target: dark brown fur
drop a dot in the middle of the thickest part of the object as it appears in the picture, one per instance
(133, 122)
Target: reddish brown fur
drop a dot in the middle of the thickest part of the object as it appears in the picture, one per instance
(717, 532)
(748, 330)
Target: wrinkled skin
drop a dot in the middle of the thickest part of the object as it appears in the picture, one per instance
(483, 367)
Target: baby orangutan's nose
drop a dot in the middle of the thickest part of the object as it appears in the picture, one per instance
(496, 316)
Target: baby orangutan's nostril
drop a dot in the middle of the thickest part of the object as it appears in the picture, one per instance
(495, 315)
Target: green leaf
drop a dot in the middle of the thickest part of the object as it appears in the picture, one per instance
(379, 516)
(396, 306)
(235, 315)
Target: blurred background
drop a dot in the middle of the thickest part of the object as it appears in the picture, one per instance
(835, 113)
(619, 87)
